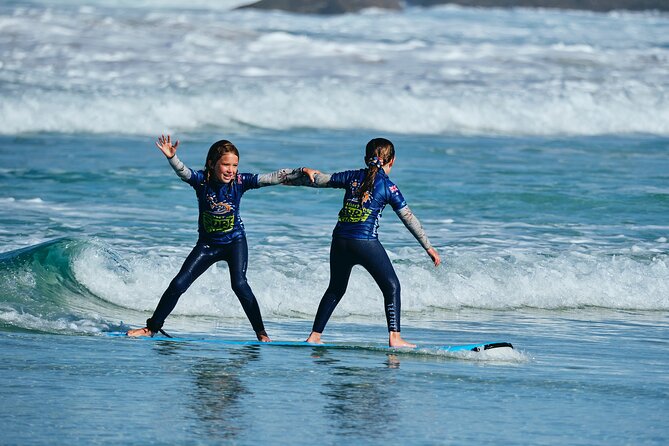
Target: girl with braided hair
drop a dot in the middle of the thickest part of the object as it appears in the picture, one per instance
(355, 239)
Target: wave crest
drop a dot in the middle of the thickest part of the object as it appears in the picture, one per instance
(280, 107)
(83, 286)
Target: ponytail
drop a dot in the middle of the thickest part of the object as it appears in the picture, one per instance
(378, 152)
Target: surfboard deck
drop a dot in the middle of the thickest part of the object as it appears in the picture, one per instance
(478, 347)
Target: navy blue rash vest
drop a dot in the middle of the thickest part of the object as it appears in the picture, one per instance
(219, 221)
(362, 222)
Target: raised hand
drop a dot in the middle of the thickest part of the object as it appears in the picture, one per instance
(165, 145)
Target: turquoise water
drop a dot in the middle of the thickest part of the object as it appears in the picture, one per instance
(535, 156)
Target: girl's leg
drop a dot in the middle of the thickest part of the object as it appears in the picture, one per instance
(374, 259)
(197, 262)
(341, 264)
(237, 259)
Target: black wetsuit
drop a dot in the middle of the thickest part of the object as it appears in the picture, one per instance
(221, 238)
(355, 242)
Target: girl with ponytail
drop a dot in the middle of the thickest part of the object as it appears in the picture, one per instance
(355, 239)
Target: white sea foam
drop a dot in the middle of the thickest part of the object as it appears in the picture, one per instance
(433, 71)
(277, 106)
(61, 325)
(289, 288)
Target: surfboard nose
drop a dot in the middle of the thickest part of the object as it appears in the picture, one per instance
(492, 345)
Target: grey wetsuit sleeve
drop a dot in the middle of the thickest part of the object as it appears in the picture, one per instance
(322, 179)
(278, 177)
(180, 168)
(414, 226)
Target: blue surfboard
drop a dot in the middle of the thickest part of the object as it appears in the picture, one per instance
(479, 347)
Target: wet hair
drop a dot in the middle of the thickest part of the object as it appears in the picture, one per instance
(379, 152)
(216, 152)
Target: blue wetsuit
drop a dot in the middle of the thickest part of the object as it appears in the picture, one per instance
(221, 237)
(355, 242)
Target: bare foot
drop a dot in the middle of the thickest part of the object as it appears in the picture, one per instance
(395, 340)
(139, 332)
(314, 338)
(262, 336)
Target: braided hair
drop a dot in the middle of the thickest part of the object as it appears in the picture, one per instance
(216, 152)
(379, 152)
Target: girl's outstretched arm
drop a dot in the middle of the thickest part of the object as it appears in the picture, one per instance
(413, 225)
(170, 151)
(281, 176)
(311, 177)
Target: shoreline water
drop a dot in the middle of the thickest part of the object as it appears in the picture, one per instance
(570, 387)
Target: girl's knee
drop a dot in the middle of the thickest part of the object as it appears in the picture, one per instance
(334, 293)
(179, 285)
(391, 287)
(241, 288)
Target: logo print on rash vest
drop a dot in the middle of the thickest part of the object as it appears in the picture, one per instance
(222, 218)
(354, 212)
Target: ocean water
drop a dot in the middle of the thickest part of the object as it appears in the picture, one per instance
(532, 144)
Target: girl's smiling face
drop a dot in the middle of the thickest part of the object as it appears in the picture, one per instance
(225, 169)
